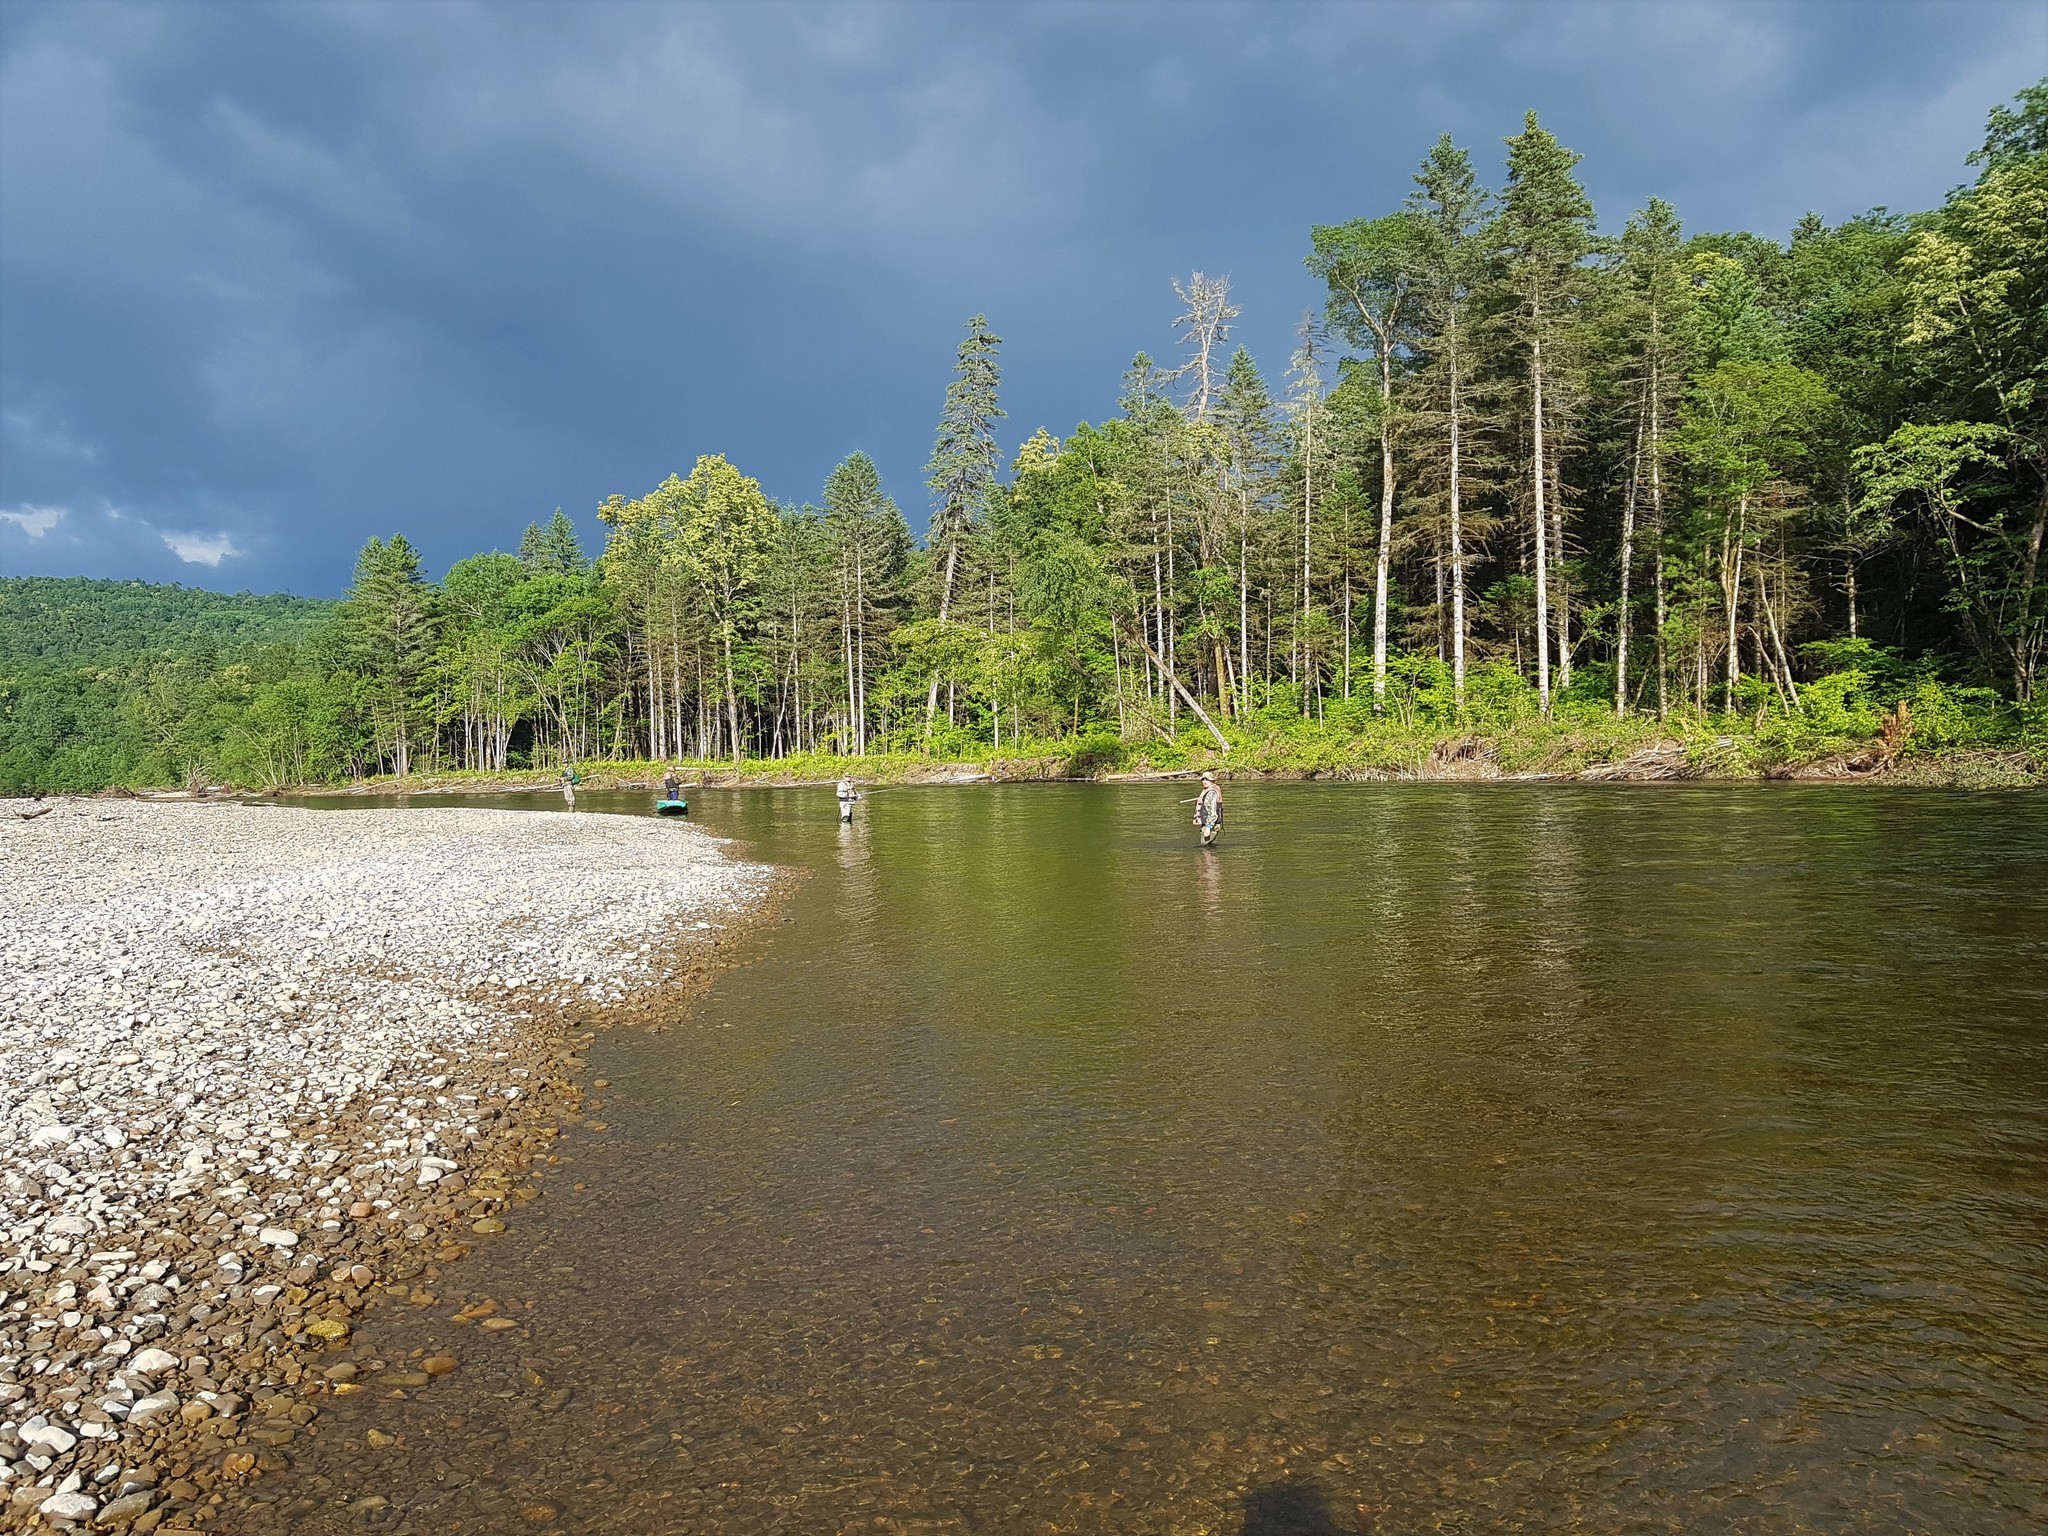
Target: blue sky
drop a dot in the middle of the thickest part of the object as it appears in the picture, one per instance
(274, 278)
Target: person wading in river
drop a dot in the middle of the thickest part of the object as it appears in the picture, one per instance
(569, 781)
(847, 795)
(1209, 809)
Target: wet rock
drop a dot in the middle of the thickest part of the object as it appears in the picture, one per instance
(150, 1407)
(128, 1508)
(238, 1050)
(68, 1508)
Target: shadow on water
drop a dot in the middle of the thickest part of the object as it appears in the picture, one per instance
(1422, 1157)
(1294, 1509)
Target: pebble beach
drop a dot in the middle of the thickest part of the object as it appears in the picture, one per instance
(257, 1065)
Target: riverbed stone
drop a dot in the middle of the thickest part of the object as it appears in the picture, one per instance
(68, 1508)
(234, 1040)
(127, 1509)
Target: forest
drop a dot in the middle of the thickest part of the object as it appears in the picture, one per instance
(1526, 488)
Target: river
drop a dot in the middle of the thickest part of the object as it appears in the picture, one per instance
(1423, 1158)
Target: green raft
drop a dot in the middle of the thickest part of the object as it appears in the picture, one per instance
(671, 807)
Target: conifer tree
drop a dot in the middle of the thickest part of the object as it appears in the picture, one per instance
(1655, 305)
(1449, 205)
(1544, 232)
(388, 618)
(964, 463)
(870, 541)
(552, 549)
(1245, 420)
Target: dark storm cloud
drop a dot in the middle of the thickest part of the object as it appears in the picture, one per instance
(276, 278)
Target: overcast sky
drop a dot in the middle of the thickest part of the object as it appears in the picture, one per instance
(274, 278)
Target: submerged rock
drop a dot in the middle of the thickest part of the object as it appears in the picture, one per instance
(252, 1059)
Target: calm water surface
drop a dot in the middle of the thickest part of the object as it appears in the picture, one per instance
(1425, 1158)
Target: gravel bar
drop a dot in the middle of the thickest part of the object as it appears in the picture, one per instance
(258, 1064)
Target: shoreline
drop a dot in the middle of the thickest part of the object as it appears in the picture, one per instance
(262, 1069)
(1471, 762)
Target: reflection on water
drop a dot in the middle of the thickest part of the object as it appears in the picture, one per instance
(1422, 1158)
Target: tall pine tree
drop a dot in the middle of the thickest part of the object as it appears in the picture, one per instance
(1449, 205)
(964, 463)
(1544, 232)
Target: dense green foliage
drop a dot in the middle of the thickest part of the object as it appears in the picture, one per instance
(118, 681)
(1526, 484)
(71, 621)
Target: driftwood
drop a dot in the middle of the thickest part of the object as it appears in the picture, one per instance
(1665, 760)
(1222, 742)
(41, 810)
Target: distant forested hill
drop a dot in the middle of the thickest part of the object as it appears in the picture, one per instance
(110, 682)
(72, 621)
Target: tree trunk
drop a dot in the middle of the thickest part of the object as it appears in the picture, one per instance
(1542, 563)
(1457, 535)
(1628, 545)
(860, 648)
(1783, 668)
(2027, 652)
(1244, 612)
(931, 703)
(1308, 472)
(1383, 561)
(1731, 587)
(1222, 741)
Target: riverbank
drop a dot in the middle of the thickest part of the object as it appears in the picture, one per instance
(262, 1068)
(1639, 753)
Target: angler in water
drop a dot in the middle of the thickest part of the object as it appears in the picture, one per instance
(847, 795)
(672, 802)
(1209, 809)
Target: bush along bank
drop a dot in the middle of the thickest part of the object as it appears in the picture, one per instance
(1881, 722)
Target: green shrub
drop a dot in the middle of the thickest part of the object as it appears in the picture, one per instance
(1099, 751)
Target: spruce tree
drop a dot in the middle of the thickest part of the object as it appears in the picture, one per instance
(1449, 205)
(388, 621)
(552, 549)
(870, 542)
(1544, 232)
(964, 463)
(1244, 416)
(1656, 299)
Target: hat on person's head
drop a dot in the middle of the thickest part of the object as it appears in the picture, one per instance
(1208, 778)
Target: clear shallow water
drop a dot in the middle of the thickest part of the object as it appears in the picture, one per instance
(1461, 1158)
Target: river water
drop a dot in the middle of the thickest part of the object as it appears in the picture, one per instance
(1423, 1158)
